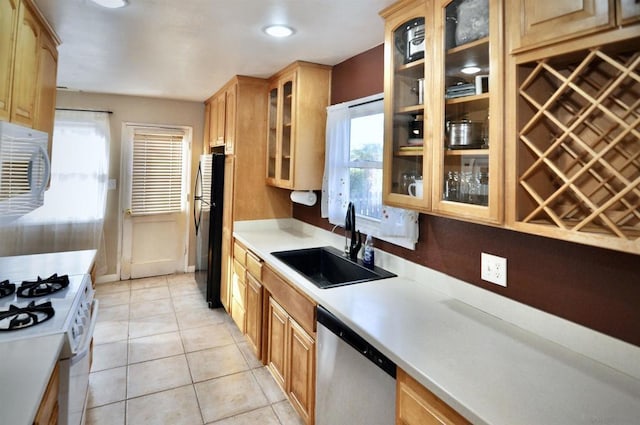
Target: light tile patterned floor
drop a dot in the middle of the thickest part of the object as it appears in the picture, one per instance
(162, 357)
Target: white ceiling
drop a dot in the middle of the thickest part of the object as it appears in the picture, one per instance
(187, 49)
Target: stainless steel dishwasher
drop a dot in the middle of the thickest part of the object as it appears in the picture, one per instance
(355, 383)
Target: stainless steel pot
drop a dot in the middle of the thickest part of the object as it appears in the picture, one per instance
(464, 134)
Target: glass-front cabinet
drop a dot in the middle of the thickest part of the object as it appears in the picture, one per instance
(279, 163)
(467, 142)
(443, 152)
(406, 169)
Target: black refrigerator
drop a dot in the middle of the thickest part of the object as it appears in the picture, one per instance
(207, 214)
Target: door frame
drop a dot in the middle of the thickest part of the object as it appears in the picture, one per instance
(125, 149)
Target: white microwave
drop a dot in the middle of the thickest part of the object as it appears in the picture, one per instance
(24, 170)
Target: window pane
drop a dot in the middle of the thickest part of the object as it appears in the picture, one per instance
(366, 138)
(366, 191)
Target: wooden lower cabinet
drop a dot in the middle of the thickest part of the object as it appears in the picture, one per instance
(48, 411)
(277, 341)
(291, 360)
(239, 295)
(301, 351)
(416, 405)
(246, 296)
(253, 327)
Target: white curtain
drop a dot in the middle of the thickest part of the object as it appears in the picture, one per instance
(335, 183)
(397, 226)
(73, 213)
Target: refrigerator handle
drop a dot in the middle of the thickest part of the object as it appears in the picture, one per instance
(197, 197)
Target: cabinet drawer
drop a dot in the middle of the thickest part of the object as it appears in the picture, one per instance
(301, 308)
(239, 271)
(239, 253)
(254, 265)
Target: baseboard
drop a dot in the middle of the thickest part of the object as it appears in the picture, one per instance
(191, 269)
(107, 278)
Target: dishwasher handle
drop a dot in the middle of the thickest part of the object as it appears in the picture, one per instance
(346, 334)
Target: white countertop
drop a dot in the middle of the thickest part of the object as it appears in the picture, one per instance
(489, 370)
(25, 370)
(68, 262)
(26, 364)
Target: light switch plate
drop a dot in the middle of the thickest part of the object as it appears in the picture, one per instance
(493, 269)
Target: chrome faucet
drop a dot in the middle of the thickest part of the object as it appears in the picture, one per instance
(351, 249)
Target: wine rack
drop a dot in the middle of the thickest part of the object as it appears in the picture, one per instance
(578, 146)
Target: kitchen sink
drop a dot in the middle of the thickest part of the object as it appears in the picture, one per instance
(327, 267)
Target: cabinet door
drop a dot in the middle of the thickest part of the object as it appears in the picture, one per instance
(415, 405)
(277, 341)
(227, 233)
(230, 120)
(239, 296)
(548, 21)
(254, 314)
(46, 96)
(207, 127)
(628, 11)
(301, 379)
(272, 135)
(219, 120)
(8, 20)
(47, 413)
(407, 158)
(468, 145)
(286, 131)
(23, 102)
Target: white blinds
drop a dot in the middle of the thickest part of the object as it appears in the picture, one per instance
(157, 185)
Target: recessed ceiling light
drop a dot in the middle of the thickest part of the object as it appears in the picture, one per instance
(470, 70)
(111, 4)
(278, 31)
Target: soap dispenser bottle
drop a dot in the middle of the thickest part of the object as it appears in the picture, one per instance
(367, 258)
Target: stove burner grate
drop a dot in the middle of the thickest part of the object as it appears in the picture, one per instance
(40, 287)
(23, 317)
(7, 288)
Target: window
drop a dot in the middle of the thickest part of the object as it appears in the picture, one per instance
(353, 173)
(157, 185)
(79, 170)
(365, 164)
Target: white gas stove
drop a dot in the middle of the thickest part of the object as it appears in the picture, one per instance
(33, 307)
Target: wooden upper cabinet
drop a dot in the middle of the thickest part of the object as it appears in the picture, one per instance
(216, 117)
(23, 102)
(28, 66)
(407, 158)
(220, 118)
(207, 127)
(628, 11)
(8, 21)
(46, 94)
(468, 130)
(298, 98)
(218, 128)
(549, 21)
(230, 119)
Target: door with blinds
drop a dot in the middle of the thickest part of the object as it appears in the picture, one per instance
(154, 232)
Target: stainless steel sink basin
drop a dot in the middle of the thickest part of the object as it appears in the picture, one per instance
(327, 267)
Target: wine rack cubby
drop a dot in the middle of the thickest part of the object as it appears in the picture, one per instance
(578, 146)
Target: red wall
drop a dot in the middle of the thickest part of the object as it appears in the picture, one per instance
(594, 287)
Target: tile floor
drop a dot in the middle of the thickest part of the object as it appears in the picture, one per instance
(162, 357)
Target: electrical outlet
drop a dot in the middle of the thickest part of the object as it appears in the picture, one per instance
(493, 269)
